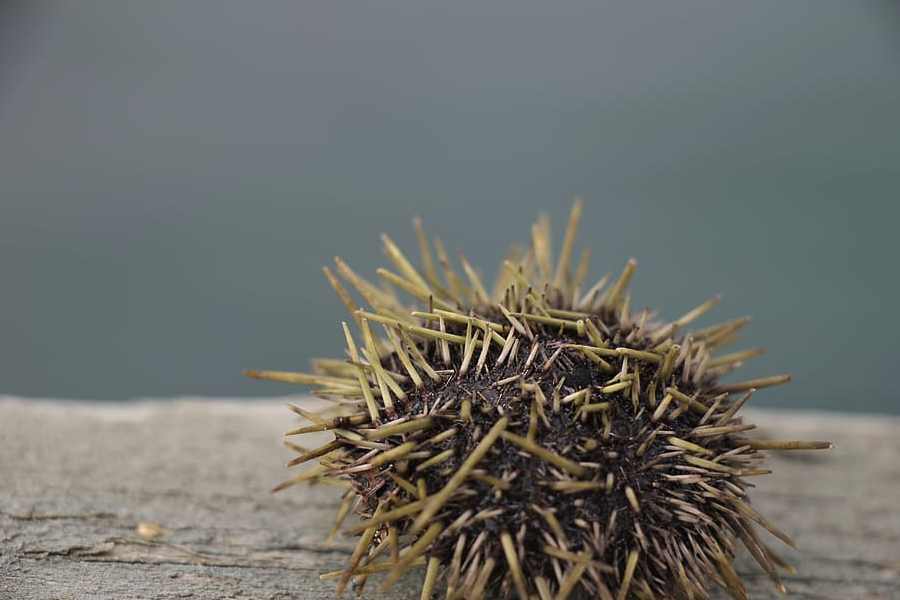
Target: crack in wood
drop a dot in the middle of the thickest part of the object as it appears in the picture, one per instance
(33, 515)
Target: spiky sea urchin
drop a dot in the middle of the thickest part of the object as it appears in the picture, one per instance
(541, 441)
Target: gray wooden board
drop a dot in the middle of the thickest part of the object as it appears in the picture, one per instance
(76, 479)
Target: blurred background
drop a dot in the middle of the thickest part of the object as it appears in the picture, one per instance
(173, 175)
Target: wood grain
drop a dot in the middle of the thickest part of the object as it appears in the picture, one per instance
(78, 478)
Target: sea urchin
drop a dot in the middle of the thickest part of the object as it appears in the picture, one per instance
(540, 441)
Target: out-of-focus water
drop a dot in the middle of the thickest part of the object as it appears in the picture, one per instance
(173, 176)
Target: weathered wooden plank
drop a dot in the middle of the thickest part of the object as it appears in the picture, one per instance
(76, 480)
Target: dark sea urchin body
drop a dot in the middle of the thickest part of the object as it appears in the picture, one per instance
(538, 442)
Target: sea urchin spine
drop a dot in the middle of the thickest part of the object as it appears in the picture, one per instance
(541, 441)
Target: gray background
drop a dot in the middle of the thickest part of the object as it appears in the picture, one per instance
(173, 175)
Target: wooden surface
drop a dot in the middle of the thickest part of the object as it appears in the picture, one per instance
(77, 479)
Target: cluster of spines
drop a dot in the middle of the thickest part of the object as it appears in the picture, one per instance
(524, 331)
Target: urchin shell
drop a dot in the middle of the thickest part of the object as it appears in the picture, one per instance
(541, 441)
